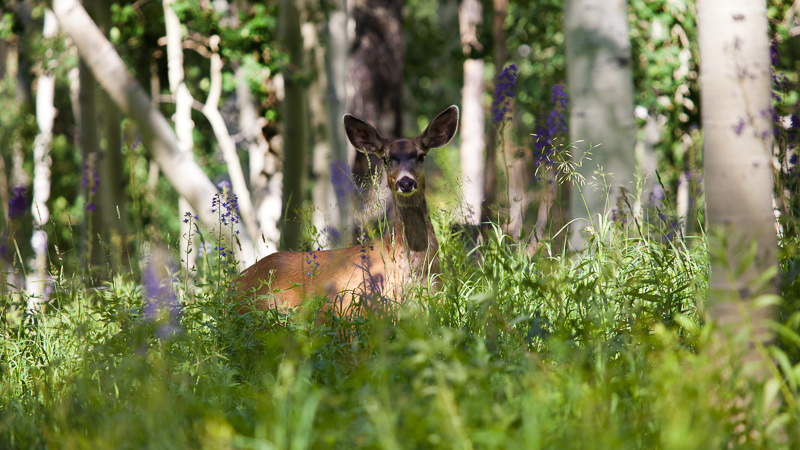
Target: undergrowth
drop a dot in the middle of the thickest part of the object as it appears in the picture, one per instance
(604, 349)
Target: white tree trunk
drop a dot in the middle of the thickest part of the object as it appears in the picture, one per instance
(336, 96)
(473, 136)
(184, 127)
(735, 89)
(183, 173)
(266, 179)
(601, 111)
(322, 196)
(516, 180)
(333, 187)
(332, 195)
(226, 143)
(45, 115)
(473, 121)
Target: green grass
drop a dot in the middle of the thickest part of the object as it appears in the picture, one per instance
(607, 349)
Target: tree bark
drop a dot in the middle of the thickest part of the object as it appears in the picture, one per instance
(183, 173)
(322, 195)
(516, 180)
(90, 150)
(184, 126)
(113, 196)
(226, 142)
(500, 58)
(333, 186)
(473, 135)
(375, 81)
(601, 112)
(3, 56)
(266, 179)
(295, 127)
(736, 103)
(45, 116)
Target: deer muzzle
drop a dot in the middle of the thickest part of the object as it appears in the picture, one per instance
(406, 185)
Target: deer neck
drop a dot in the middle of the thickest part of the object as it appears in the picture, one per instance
(414, 231)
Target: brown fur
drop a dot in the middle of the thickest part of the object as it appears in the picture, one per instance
(373, 273)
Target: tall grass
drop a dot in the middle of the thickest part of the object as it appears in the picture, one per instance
(605, 349)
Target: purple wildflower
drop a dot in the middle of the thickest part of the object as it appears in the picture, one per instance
(773, 52)
(618, 217)
(658, 196)
(91, 178)
(228, 207)
(505, 90)
(341, 180)
(161, 303)
(555, 124)
(18, 203)
(334, 235)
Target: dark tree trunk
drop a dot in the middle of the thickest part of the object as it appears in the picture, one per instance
(376, 73)
(295, 128)
(500, 57)
(112, 197)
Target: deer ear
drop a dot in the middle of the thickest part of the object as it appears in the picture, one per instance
(363, 136)
(441, 129)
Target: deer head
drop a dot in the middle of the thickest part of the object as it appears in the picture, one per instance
(404, 159)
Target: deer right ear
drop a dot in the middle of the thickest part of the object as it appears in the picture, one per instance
(363, 136)
(441, 129)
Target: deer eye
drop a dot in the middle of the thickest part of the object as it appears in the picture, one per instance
(421, 157)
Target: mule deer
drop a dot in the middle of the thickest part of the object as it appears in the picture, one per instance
(385, 267)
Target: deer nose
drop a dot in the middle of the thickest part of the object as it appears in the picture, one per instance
(406, 185)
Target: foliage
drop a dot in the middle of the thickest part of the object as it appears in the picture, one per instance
(521, 348)
(786, 175)
(665, 62)
(603, 350)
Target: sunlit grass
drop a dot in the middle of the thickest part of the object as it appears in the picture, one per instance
(606, 349)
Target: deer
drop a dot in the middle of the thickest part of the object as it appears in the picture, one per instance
(366, 275)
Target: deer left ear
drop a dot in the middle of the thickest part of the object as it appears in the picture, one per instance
(441, 129)
(363, 136)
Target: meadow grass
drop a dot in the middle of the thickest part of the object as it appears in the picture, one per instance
(604, 349)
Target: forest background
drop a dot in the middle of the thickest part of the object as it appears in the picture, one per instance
(124, 189)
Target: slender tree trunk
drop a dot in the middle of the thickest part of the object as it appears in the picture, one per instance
(93, 162)
(183, 173)
(24, 92)
(333, 187)
(3, 56)
(295, 128)
(266, 179)
(225, 141)
(336, 94)
(736, 102)
(473, 135)
(647, 163)
(184, 126)
(45, 116)
(375, 81)
(113, 197)
(516, 180)
(90, 149)
(601, 113)
(500, 58)
(322, 195)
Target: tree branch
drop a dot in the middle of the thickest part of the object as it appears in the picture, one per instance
(180, 169)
